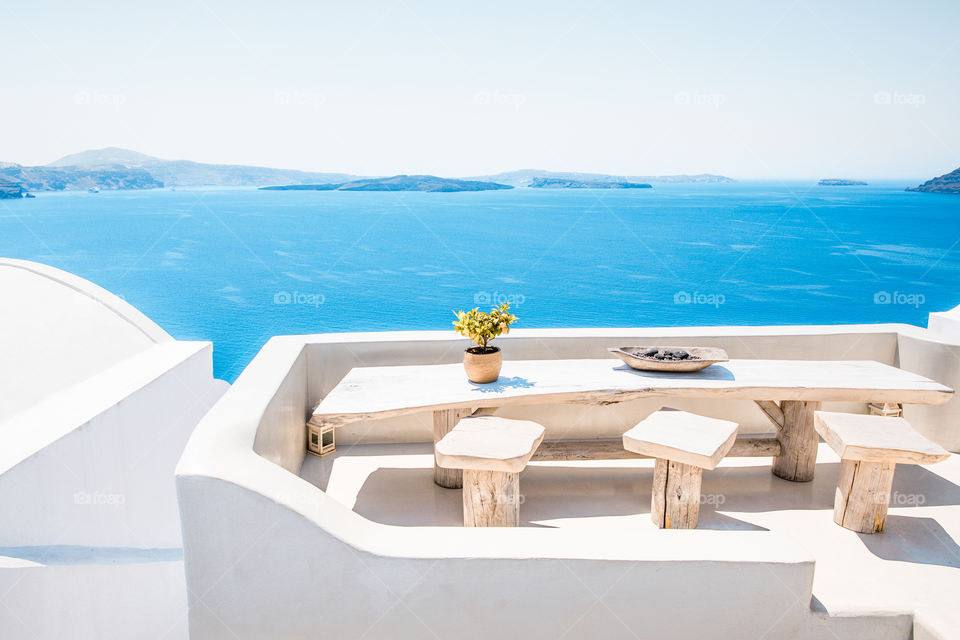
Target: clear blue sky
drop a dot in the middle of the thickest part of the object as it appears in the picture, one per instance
(768, 90)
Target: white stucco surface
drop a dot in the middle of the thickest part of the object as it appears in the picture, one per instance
(909, 568)
(100, 456)
(58, 329)
(946, 325)
(96, 405)
(133, 599)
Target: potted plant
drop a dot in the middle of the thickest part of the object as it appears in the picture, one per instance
(482, 362)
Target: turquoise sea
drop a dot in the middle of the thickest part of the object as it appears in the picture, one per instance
(237, 266)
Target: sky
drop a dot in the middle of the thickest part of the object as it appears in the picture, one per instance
(752, 90)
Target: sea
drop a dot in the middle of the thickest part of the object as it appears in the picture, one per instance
(237, 266)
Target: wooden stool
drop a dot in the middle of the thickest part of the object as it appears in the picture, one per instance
(870, 448)
(492, 452)
(684, 444)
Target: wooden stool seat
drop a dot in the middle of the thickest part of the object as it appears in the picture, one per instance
(682, 437)
(870, 447)
(684, 444)
(492, 452)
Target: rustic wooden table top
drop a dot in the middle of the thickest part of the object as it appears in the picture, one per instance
(378, 392)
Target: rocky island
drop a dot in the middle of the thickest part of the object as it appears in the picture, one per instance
(187, 173)
(12, 191)
(947, 183)
(567, 183)
(838, 182)
(398, 183)
(525, 177)
(77, 178)
(114, 168)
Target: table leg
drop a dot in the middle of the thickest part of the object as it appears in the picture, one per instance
(798, 442)
(443, 421)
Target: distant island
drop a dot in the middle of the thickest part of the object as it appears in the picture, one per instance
(398, 183)
(567, 183)
(333, 186)
(526, 177)
(115, 168)
(12, 191)
(77, 178)
(947, 183)
(838, 182)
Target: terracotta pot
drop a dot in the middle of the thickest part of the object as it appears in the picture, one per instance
(483, 367)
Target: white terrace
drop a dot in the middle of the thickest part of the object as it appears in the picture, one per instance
(363, 543)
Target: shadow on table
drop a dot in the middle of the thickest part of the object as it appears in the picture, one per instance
(502, 384)
(913, 539)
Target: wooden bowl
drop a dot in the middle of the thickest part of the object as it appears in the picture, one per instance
(700, 358)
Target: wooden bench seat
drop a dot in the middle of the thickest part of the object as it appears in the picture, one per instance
(684, 444)
(492, 452)
(870, 448)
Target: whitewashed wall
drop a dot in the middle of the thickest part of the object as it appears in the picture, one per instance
(96, 405)
(93, 600)
(94, 464)
(57, 330)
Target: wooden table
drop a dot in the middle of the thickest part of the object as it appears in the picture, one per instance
(788, 392)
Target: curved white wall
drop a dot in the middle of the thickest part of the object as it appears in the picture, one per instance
(57, 329)
(96, 404)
